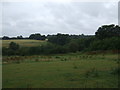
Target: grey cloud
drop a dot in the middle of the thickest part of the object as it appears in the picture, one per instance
(52, 17)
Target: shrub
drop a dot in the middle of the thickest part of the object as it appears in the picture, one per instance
(13, 46)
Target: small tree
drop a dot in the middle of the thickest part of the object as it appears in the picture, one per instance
(13, 46)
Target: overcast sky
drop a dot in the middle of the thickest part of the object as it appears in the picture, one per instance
(25, 18)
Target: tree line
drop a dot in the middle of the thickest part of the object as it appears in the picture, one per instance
(38, 36)
(35, 36)
(107, 37)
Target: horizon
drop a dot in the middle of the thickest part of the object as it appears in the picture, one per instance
(45, 35)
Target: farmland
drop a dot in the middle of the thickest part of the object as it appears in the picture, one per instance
(23, 43)
(60, 45)
(63, 61)
(73, 70)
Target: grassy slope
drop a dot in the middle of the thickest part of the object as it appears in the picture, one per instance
(23, 43)
(57, 73)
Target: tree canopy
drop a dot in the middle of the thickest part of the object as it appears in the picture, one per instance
(37, 36)
(60, 39)
(107, 31)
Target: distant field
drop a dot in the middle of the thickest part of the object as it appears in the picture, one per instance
(23, 43)
(61, 71)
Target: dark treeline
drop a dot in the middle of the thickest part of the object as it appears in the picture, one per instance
(107, 37)
(10, 38)
(38, 36)
(35, 36)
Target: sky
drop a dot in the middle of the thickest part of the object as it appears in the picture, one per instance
(25, 18)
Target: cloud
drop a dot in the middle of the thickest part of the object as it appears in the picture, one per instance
(24, 18)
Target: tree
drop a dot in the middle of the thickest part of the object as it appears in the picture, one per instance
(5, 38)
(108, 31)
(19, 37)
(73, 46)
(13, 46)
(60, 39)
(37, 36)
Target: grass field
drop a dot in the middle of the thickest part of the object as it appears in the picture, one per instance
(61, 71)
(23, 43)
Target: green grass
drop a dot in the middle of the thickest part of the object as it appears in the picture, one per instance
(23, 43)
(61, 71)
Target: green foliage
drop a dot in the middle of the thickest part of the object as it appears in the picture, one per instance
(106, 44)
(13, 46)
(106, 38)
(34, 50)
(19, 37)
(23, 51)
(37, 36)
(7, 51)
(48, 48)
(108, 31)
(85, 43)
(73, 46)
(12, 50)
(59, 39)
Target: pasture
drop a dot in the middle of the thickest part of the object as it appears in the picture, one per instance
(23, 43)
(61, 71)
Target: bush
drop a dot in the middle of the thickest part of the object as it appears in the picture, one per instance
(13, 46)
(23, 51)
(8, 52)
(73, 46)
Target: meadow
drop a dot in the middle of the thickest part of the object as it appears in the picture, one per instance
(73, 70)
(23, 42)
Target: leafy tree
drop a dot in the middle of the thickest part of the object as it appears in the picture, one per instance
(108, 31)
(37, 36)
(19, 37)
(60, 39)
(106, 44)
(73, 46)
(5, 38)
(13, 46)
